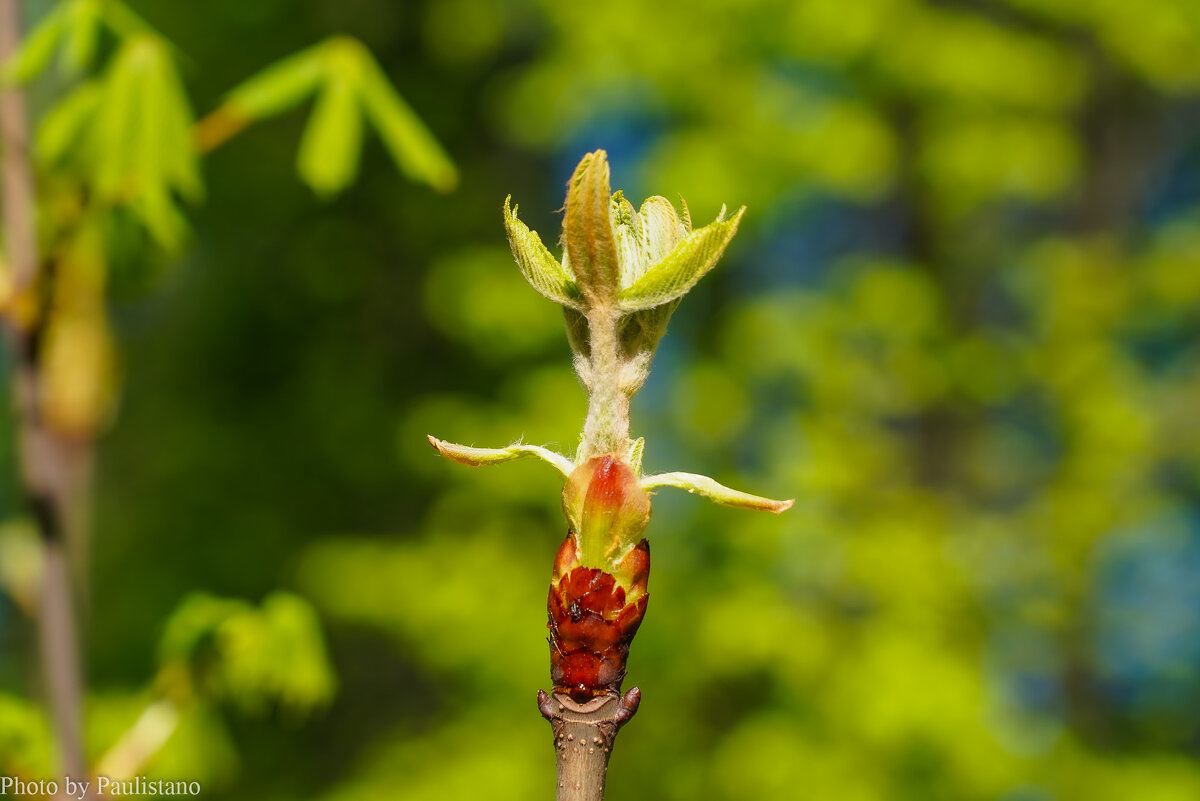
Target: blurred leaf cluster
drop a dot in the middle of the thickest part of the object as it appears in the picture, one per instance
(961, 325)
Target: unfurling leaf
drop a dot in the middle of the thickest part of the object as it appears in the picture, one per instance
(589, 243)
(673, 276)
(543, 272)
(714, 491)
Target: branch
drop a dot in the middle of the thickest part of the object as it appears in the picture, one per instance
(46, 464)
(141, 743)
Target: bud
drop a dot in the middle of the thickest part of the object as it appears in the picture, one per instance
(598, 590)
(593, 615)
(607, 510)
(622, 272)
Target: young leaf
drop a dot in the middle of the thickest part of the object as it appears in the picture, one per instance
(118, 128)
(63, 126)
(158, 212)
(82, 33)
(272, 91)
(329, 149)
(482, 457)
(29, 62)
(277, 88)
(124, 21)
(588, 239)
(660, 228)
(141, 147)
(673, 276)
(413, 148)
(177, 167)
(538, 265)
(708, 488)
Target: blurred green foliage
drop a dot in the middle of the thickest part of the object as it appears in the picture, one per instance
(961, 325)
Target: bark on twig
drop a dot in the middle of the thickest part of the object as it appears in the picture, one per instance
(49, 465)
(583, 739)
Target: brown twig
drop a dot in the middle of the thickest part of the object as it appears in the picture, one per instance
(583, 739)
(49, 466)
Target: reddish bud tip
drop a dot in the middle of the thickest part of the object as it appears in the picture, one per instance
(607, 508)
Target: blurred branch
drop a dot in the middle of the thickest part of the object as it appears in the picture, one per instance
(49, 467)
(350, 88)
(130, 754)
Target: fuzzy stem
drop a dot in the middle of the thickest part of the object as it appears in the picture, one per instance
(583, 739)
(607, 426)
(46, 469)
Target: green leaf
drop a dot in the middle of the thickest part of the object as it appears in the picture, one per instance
(64, 125)
(279, 87)
(329, 149)
(82, 34)
(158, 212)
(193, 624)
(679, 271)
(413, 148)
(123, 21)
(708, 488)
(118, 131)
(250, 655)
(141, 138)
(138, 142)
(177, 167)
(27, 744)
(31, 60)
(543, 272)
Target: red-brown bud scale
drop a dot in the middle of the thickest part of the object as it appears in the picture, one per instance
(598, 590)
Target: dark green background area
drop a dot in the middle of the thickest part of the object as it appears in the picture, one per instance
(960, 324)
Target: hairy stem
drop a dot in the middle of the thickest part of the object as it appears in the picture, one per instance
(607, 426)
(583, 739)
(46, 467)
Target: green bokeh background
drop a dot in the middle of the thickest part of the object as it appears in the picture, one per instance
(960, 325)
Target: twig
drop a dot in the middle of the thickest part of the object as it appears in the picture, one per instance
(48, 465)
(583, 739)
(141, 743)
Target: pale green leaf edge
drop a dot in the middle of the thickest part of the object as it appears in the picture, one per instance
(482, 457)
(673, 276)
(714, 491)
(543, 272)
